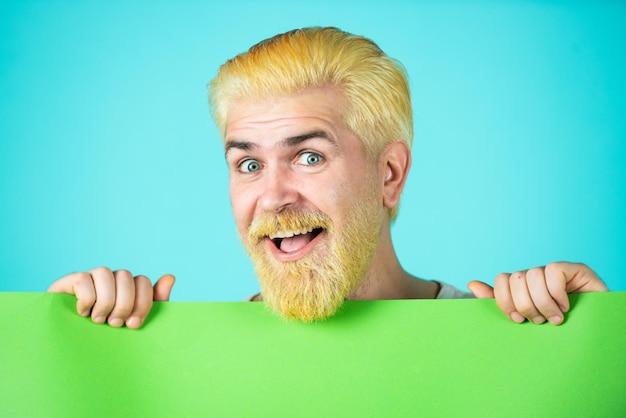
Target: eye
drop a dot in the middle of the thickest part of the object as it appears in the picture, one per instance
(249, 166)
(310, 158)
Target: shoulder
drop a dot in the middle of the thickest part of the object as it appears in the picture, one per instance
(254, 298)
(450, 292)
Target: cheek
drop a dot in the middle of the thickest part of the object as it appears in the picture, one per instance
(340, 193)
(338, 200)
(357, 191)
(323, 193)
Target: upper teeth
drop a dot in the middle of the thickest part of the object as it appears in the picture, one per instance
(288, 234)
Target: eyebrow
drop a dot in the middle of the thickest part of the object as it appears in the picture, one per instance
(291, 141)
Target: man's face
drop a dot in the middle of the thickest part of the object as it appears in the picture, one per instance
(306, 199)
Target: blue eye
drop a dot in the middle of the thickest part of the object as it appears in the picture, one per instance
(310, 158)
(250, 166)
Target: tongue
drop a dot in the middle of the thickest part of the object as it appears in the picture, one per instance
(295, 243)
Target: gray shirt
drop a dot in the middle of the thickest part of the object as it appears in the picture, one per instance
(445, 292)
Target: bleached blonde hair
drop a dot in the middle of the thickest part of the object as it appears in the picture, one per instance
(375, 85)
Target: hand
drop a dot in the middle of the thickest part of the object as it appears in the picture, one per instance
(115, 297)
(539, 294)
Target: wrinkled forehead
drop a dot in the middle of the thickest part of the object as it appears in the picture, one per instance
(325, 105)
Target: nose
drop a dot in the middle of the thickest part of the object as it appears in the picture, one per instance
(277, 190)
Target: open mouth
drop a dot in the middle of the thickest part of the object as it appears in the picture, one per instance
(292, 241)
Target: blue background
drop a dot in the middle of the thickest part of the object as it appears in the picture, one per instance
(108, 155)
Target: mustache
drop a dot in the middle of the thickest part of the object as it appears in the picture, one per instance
(287, 220)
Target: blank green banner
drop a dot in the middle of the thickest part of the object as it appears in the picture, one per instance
(435, 358)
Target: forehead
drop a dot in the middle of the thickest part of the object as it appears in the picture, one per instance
(321, 107)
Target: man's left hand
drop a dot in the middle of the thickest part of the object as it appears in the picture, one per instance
(539, 294)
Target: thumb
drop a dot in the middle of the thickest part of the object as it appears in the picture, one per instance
(480, 290)
(163, 287)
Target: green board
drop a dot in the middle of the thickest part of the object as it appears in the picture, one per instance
(436, 358)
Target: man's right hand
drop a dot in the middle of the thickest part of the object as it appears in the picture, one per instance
(115, 297)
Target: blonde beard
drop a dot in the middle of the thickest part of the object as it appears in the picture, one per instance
(316, 285)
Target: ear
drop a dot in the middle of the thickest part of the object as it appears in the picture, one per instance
(396, 162)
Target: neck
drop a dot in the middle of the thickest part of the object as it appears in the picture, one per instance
(386, 279)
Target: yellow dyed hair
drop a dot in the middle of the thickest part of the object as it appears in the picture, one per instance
(376, 86)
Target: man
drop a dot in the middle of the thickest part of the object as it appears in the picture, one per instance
(317, 128)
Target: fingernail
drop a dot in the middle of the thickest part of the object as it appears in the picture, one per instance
(539, 320)
(516, 317)
(116, 322)
(84, 313)
(133, 322)
(556, 320)
(99, 319)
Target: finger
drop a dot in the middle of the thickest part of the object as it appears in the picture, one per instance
(557, 284)
(578, 277)
(104, 283)
(522, 300)
(79, 284)
(124, 298)
(480, 289)
(542, 298)
(143, 302)
(163, 287)
(504, 299)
